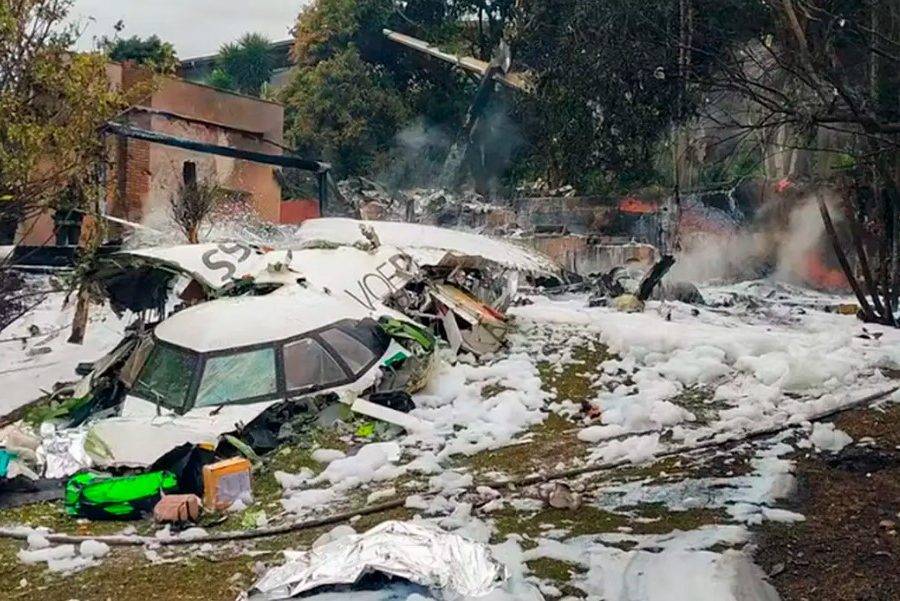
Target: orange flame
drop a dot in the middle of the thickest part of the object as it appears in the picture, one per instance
(821, 276)
(632, 204)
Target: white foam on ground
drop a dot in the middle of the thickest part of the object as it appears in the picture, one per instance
(828, 438)
(26, 371)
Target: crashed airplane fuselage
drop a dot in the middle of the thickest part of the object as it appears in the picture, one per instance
(216, 367)
(229, 334)
(430, 274)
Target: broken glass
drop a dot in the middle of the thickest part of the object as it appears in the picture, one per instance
(133, 365)
(354, 353)
(237, 377)
(166, 377)
(308, 365)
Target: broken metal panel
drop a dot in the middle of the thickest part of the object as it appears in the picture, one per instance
(135, 362)
(517, 81)
(451, 330)
(473, 311)
(143, 279)
(213, 265)
(485, 329)
(426, 244)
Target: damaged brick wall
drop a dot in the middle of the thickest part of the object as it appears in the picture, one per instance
(142, 176)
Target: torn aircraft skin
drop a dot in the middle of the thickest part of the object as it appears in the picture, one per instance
(427, 244)
(388, 275)
(141, 279)
(470, 277)
(397, 264)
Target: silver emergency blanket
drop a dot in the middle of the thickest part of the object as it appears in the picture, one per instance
(62, 453)
(420, 553)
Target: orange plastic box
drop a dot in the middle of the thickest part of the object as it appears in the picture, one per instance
(226, 482)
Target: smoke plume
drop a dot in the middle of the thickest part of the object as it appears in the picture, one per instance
(786, 242)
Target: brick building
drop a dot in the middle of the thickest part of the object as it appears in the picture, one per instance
(143, 176)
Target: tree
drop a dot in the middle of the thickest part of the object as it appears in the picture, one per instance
(219, 78)
(247, 63)
(825, 76)
(328, 27)
(151, 52)
(52, 103)
(337, 38)
(344, 110)
(609, 85)
(192, 205)
(491, 19)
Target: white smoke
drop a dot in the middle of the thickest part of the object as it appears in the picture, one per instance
(777, 245)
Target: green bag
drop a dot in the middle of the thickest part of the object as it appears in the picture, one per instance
(101, 497)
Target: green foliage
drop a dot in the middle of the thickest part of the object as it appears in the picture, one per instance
(247, 64)
(151, 52)
(326, 28)
(52, 103)
(609, 86)
(334, 38)
(344, 110)
(220, 78)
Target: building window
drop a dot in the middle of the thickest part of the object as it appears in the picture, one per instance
(189, 174)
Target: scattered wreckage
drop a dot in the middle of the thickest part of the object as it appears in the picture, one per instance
(628, 287)
(237, 349)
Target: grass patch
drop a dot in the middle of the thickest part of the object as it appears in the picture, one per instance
(125, 574)
(577, 522)
(667, 520)
(699, 401)
(558, 573)
(551, 442)
(52, 515)
(573, 382)
(656, 471)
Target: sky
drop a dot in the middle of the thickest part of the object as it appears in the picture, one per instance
(194, 27)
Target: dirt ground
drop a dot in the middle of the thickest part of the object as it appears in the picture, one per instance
(848, 549)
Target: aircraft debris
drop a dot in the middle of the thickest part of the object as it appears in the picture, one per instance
(626, 288)
(419, 553)
(517, 81)
(237, 348)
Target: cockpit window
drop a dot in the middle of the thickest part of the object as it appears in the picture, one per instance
(321, 359)
(308, 365)
(237, 377)
(166, 377)
(355, 354)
